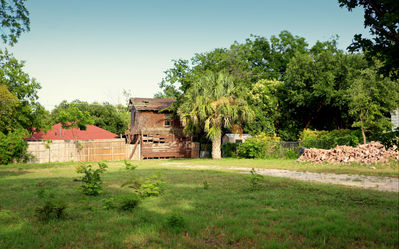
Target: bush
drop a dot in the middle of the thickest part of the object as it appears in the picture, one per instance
(129, 166)
(125, 202)
(13, 147)
(265, 147)
(109, 203)
(229, 149)
(50, 208)
(91, 180)
(152, 186)
(330, 139)
(128, 202)
(175, 222)
(389, 139)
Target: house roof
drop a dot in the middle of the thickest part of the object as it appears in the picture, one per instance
(150, 104)
(58, 133)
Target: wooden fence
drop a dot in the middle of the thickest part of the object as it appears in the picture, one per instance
(83, 150)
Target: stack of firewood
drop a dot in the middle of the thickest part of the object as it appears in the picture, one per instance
(372, 152)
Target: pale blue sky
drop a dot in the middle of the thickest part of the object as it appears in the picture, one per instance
(92, 49)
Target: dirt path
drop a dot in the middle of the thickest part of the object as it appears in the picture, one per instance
(373, 182)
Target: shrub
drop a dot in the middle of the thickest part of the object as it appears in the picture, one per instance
(330, 139)
(229, 149)
(92, 178)
(109, 203)
(263, 147)
(128, 202)
(175, 222)
(389, 139)
(13, 147)
(125, 202)
(50, 208)
(152, 186)
(129, 166)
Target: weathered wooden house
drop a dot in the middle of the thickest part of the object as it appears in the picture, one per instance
(156, 133)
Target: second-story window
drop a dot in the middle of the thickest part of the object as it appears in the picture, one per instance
(167, 122)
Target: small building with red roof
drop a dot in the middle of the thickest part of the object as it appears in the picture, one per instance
(58, 133)
(62, 145)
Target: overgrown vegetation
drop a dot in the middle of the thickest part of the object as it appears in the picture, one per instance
(261, 147)
(330, 139)
(315, 83)
(92, 178)
(13, 147)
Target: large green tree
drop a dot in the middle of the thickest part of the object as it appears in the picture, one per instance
(212, 104)
(315, 90)
(14, 20)
(372, 98)
(248, 62)
(106, 116)
(382, 17)
(263, 100)
(29, 114)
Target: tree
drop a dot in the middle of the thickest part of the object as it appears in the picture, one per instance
(372, 98)
(212, 104)
(29, 114)
(315, 90)
(105, 115)
(14, 19)
(382, 17)
(72, 117)
(8, 106)
(248, 62)
(263, 100)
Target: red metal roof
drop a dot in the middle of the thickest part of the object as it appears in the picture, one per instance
(58, 133)
(150, 104)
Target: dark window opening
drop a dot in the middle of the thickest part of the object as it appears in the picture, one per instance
(167, 122)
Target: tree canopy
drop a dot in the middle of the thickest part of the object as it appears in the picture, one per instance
(105, 115)
(14, 20)
(289, 85)
(382, 17)
(27, 113)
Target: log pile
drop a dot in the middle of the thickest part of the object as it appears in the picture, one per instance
(372, 152)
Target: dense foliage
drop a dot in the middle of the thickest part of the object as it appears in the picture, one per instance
(330, 139)
(13, 147)
(382, 17)
(262, 146)
(109, 117)
(291, 86)
(20, 111)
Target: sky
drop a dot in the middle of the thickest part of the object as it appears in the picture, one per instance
(93, 49)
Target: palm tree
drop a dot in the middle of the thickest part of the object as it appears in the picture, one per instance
(211, 104)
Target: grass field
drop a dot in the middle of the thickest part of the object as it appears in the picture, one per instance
(282, 213)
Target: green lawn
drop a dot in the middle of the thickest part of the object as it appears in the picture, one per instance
(283, 213)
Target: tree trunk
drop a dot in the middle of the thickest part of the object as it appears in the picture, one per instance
(364, 135)
(216, 152)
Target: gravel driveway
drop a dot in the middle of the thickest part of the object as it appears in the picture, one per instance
(372, 182)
